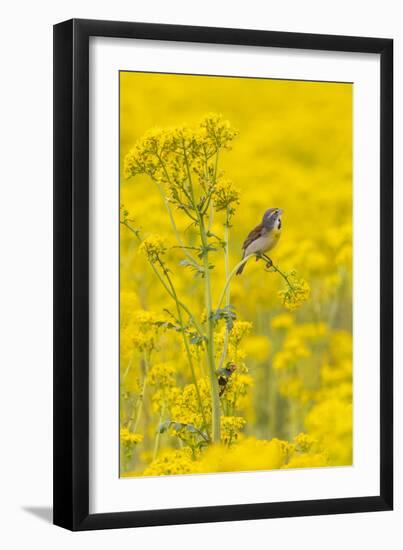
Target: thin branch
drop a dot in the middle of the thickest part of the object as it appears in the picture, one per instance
(185, 341)
(182, 305)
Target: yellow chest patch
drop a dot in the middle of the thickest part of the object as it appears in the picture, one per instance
(274, 237)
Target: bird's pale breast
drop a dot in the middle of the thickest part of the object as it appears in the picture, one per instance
(264, 243)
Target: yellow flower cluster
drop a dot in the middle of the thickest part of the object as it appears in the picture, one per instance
(248, 454)
(172, 463)
(296, 292)
(231, 427)
(257, 347)
(218, 130)
(159, 154)
(225, 196)
(282, 321)
(153, 247)
(331, 422)
(186, 407)
(161, 376)
(245, 455)
(130, 437)
(142, 332)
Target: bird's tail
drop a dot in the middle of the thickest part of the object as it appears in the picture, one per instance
(240, 269)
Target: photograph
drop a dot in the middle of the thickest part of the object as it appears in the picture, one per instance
(200, 293)
(236, 244)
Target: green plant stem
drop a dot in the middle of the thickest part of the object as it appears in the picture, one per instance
(129, 366)
(243, 261)
(211, 210)
(277, 270)
(158, 435)
(230, 277)
(281, 273)
(179, 306)
(185, 341)
(171, 217)
(139, 405)
(334, 306)
(228, 290)
(175, 229)
(215, 398)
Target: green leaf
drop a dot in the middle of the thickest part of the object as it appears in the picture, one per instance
(196, 339)
(199, 270)
(162, 428)
(204, 250)
(227, 313)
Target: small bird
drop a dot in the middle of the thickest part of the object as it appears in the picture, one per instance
(264, 237)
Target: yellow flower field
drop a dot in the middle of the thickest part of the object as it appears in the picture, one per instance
(218, 371)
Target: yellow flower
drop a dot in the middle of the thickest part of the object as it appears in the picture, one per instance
(153, 247)
(344, 257)
(164, 398)
(160, 152)
(304, 442)
(144, 317)
(239, 330)
(218, 130)
(231, 426)
(225, 196)
(296, 294)
(330, 421)
(311, 331)
(256, 347)
(341, 345)
(282, 321)
(317, 460)
(130, 437)
(186, 407)
(248, 454)
(296, 346)
(138, 331)
(283, 359)
(172, 463)
(143, 341)
(162, 374)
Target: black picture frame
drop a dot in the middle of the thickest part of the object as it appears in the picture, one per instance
(71, 274)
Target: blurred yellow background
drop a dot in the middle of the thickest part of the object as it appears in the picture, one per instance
(293, 151)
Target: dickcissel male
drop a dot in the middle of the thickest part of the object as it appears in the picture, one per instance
(264, 237)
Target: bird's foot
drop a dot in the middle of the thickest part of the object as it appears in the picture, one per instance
(269, 262)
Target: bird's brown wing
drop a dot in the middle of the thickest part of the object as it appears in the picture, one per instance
(253, 235)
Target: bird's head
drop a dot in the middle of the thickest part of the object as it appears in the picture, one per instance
(272, 218)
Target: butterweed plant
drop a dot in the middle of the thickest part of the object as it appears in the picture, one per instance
(183, 163)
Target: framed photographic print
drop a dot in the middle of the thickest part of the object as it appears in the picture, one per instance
(223, 215)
